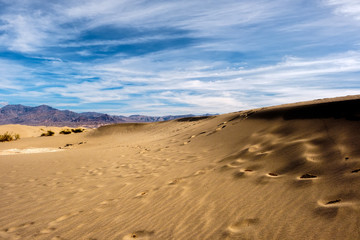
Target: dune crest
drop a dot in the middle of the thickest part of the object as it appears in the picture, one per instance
(286, 172)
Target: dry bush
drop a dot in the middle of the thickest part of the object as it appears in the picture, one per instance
(7, 137)
(47, 134)
(77, 130)
(66, 131)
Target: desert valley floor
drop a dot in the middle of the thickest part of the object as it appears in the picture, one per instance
(286, 172)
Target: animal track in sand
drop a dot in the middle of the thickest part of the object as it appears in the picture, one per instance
(142, 234)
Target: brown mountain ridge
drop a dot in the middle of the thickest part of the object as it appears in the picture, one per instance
(46, 115)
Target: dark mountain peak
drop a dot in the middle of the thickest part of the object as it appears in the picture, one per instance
(14, 107)
(45, 107)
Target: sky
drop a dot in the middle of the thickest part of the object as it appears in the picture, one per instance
(162, 57)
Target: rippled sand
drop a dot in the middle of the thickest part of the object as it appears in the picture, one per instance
(288, 172)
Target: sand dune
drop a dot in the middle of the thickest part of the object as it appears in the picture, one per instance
(286, 172)
(29, 131)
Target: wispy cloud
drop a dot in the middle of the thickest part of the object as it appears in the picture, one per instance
(162, 57)
(212, 89)
(349, 8)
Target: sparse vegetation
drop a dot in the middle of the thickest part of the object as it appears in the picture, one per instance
(7, 137)
(77, 130)
(65, 131)
(16, 136)
(47, 134)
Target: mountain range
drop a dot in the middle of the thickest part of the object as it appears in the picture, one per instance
(48, 116)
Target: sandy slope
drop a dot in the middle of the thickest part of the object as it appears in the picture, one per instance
(291, 172)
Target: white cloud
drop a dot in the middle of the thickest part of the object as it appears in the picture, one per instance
(10, 73)
(25, 33)
(349, 8)
(33, 26)
(203, 89)
(198, 77)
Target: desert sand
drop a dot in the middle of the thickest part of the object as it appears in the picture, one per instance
(285, 172)
(29, 131)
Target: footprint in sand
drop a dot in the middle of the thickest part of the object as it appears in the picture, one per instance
(5, 235)
(139, 235)
(220, 128)
(105, 204)
(226, 167)
(245, 227)
(236, 163)
(48, 230)
(200, 172)
(308, 176)
(52, 225)
(337, 202)
(304, 180)
(21, 226)
(329, 209)
(142, 194)
(57, 238)
(333, 201)
(175, 181)
(242, 173)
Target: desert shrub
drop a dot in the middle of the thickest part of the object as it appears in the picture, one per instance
(66, 131)
(7, 137)
(47, 134)
(16, 136)
(77, 130)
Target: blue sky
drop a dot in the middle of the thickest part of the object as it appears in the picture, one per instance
(177, 57)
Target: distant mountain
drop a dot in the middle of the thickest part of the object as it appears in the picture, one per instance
(48, 116)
